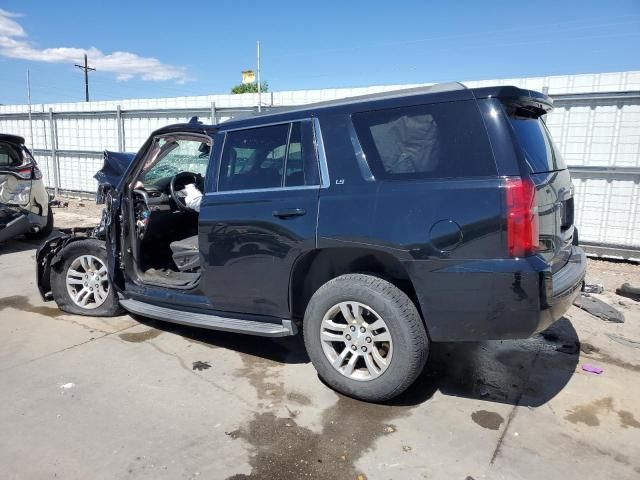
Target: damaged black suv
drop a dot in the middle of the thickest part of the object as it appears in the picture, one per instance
(377, 224)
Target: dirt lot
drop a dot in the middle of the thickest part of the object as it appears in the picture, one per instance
(134, 398)
(76, 213)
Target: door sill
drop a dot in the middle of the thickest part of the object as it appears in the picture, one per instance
(213, 322)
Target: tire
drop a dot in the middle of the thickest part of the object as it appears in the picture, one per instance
(45, 231)
(75, 257)
(374, 299)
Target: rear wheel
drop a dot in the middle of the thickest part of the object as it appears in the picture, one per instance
(365, 337)
(81, 285)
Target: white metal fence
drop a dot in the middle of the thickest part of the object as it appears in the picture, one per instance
(596, 124)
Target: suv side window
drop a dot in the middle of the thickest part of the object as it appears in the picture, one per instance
(302, 164)
(269, 157)
(440, 140)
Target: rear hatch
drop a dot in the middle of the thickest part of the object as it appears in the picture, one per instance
(17, 170)
(553, 188)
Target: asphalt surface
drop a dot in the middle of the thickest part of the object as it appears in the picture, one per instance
(134, 398)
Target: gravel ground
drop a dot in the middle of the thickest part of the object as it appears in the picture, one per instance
(78, 213)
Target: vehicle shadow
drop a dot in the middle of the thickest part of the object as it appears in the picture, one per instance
(22, 243)
(18, 244)
(525, 372)
(281, 350)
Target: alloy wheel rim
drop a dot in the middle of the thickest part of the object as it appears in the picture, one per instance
(356, 341)
(87, 282)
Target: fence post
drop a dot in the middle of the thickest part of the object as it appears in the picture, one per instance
(54, 155)
(120, 129)
(214, 121)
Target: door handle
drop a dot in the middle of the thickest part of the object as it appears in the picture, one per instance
(289, 212)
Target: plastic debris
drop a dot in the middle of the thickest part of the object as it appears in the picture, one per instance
(67, 386)
(598, 308)
(587, 367)
(593, 288)
(626, 290)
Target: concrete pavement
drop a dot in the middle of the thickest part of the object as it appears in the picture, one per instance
(134, 398)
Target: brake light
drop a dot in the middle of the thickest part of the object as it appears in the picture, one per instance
(24, 173)
(523, 230)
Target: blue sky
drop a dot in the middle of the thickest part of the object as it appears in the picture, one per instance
(200, 47)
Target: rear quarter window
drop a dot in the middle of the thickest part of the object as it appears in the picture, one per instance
(540, 153)
(442, 140)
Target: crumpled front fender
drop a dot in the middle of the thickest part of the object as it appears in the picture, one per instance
(50, 254)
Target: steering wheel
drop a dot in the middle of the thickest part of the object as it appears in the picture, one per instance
(177, 184)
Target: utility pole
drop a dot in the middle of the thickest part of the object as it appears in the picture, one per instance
(259, 86)
(86, 69)
(29, 97)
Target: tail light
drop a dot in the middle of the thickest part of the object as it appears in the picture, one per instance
(25, 173)
(523, 229)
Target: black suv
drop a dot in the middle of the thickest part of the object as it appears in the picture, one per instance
(377, 224)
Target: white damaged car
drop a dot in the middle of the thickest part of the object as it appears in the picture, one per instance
(24, 201)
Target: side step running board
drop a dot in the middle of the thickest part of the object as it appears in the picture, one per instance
(212, 322)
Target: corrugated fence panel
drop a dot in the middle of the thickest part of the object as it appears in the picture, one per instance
(77, 171)
(607, 211)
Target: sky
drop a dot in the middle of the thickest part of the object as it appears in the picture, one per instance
(167, 49)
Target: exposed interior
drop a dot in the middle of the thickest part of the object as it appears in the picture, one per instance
(165, 242)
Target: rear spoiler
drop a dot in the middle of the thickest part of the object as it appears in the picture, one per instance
(518, 98)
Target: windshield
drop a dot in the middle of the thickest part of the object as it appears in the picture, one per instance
(181, 155)
(541, 154)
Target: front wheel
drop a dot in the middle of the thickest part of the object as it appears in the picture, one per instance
(365, 337)
(81, 284)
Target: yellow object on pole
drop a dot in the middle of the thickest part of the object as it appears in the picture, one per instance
(248, 77)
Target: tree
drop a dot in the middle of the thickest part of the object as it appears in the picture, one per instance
(250, 88)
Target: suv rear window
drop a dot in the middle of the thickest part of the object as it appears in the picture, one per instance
(540, 153)
(440, 140)
(9, 157)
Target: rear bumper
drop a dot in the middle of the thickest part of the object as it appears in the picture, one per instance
(562, 288)
(495, 299)
(15, 221)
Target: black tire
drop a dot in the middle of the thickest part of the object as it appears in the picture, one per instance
(109, 308)
(410, 340)
(45, 231)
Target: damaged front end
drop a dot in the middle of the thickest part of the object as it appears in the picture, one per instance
(50, 254)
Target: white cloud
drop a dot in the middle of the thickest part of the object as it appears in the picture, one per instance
(14, 43)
